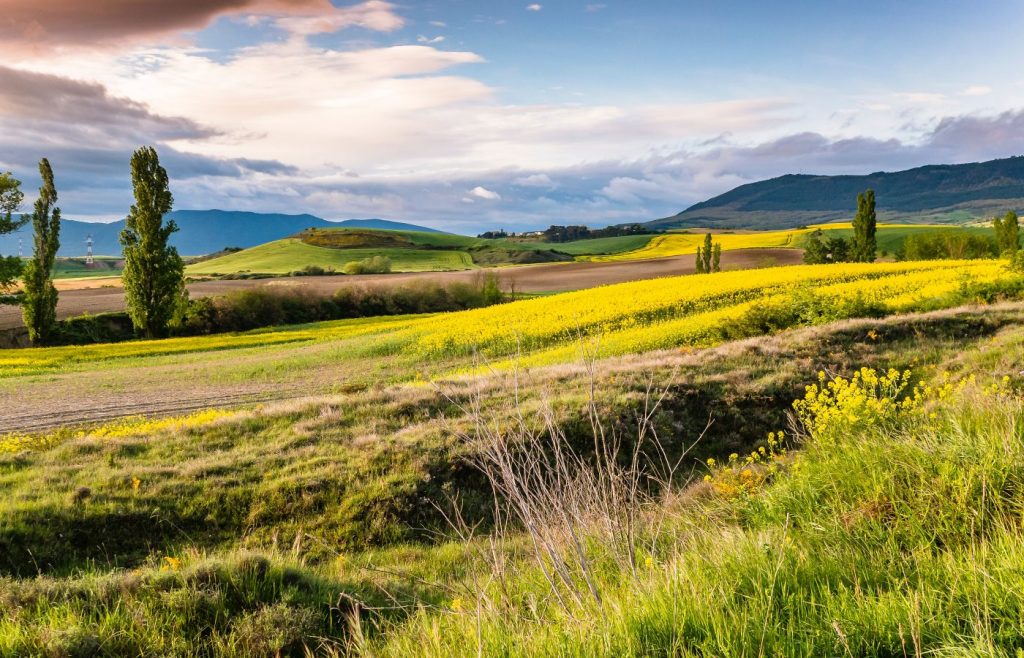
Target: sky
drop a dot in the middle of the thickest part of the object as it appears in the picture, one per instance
(469, 116)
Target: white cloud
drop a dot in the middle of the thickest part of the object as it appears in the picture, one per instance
(534, 7)
(428, 40)
(484, 193)
(977, 90)
(535, 180)
(438, 23)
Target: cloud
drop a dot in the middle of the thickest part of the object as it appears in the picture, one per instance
(534, 180)
(41, 26)
(484, 193)
(38, 98)
(428, 40)
(976, 90)
(438, 23)
(534, 7)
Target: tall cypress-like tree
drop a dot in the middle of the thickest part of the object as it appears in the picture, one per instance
(716, 257)
(706, 253)
(39, 304)
(864, 226)
(154, 274)
(698, 264)
(10, 200)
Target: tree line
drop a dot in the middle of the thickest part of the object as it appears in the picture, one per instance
(154, 272)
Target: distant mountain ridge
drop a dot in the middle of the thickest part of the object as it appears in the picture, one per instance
(201, 231)
(933, 193)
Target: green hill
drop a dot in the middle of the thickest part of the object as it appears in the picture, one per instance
(409, 251)
(931, 194)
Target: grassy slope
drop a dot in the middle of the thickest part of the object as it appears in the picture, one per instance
(364, 467)
(440, 252)
(889, 236)
(283, 256)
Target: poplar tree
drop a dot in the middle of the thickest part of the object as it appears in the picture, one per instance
(39, 304)
(864, 226)
(716, 258)
(11, 197)
(154, 273)
(706, 253)
(699, 263)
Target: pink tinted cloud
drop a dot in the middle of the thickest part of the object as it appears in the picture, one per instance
(40, 25)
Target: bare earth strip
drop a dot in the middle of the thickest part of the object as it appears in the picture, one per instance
(105, 295)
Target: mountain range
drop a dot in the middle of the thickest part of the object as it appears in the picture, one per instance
(201, 232)
(931, 194)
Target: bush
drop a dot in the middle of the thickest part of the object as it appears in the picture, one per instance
(803, 307)
(266, 307)
(372, 265)
(937, 245)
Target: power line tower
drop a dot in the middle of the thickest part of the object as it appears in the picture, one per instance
(21, 247)
(88, 250)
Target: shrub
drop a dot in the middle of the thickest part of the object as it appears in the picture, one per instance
(266, 307)
(372, 265)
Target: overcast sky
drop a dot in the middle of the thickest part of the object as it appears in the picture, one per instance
(473, 115)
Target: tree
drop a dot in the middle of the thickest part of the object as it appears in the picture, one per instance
(154, 274)
(699, 263)
(706, 253)
(11, 197)
(864, 224)
(815, 252)
(837, 250)
(39, 304)
(1007, 234)
(716, 258)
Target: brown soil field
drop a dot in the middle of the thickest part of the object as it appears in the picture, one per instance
(105, 295)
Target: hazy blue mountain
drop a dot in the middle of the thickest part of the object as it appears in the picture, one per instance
(202, 231)
(934, 193)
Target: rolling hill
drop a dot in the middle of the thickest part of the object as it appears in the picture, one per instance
(942, 194)
(202, 231)
(409, 251)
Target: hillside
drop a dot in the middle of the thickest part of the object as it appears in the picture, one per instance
(409, 251)
(202, 231)
(929, 194)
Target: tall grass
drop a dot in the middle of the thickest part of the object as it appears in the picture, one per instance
(889, 538)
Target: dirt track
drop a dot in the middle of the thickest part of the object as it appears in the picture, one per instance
(105, 295)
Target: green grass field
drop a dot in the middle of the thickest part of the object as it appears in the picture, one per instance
(76, 268)
(284, 256)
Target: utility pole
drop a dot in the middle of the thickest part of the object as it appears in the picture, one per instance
(88, 250)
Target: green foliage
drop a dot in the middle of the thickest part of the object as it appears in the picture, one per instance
(864, 247)
(39, 303)
(154, 273)
(837, 250)
(815, 252)
(709, 256)
(11, 197)
(952, 243)
(1007, 234)
(371, 265)
(267, 307)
